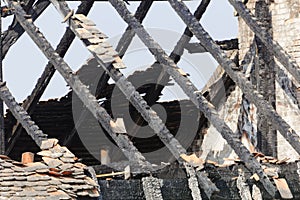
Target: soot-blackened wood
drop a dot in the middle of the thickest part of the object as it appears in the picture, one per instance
(226, 45)
(151, 188)
(257, 99)
(2, 133)
(122, 47)
(127, 37)
(21, 115)
(155, 91)
(79, 88)
(282, 56)
(15, 30)
(31, 101)
(163, 78)
(129, 91)
(197, 98)
(242, 82)
(127, 88)
(265, 80)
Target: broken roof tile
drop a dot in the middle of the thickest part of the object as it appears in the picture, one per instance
(66, 166)
(6, 164)
(52, 163)
(67, 160)
(48, 144)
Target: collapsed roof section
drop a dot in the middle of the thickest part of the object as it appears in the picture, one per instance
(111, 62)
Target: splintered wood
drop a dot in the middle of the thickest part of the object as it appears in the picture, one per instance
(118, 126)
(283, 188)
(193, 160)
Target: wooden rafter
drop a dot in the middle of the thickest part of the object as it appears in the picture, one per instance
(122, 47)
(79, 88)
(128, 35)
(163, 78)
(109, 65)
(21, 115)
(42, 83)
(188, 87)
(264, 107)
(15, 30)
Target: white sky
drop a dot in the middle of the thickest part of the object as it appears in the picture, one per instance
(24, 63)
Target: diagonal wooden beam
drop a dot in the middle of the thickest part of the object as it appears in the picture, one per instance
(257, 99)
(83, 28)
(31, 101)
(79, 88)
(15, 30)
(282, 56)
(21, 115)
(128, 35)
(2, 132)
(122, 47)
(202, 104)
(163, 78)
(153, 94)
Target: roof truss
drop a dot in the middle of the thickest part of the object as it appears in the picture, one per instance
(111, 62)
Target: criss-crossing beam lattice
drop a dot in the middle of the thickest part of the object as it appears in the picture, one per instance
(81, 27)
(31, 101)
(188, 87)
(122, 47)
(163, 78)
(246, 86)
(15, 30)
(80, 89)
(204, 106)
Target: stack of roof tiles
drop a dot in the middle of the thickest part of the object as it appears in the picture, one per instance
(58, 176)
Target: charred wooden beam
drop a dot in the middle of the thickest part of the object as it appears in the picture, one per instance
(110, 62)
(163, 78)
(265, 81)
(282, 56)
(79, 88)
(128, 35)
(153, 94)
(226, 178)
(15, 30)
(151, 188)
(42, 83)
(257, 99)
(225, 45)
(21, 115)
(122, 47)
(2, 133)
(202, 104)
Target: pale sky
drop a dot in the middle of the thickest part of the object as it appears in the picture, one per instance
(24, 63)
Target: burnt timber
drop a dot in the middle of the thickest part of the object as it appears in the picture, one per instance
(247, 120)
